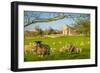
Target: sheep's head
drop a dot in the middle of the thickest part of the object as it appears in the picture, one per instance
(38, 42)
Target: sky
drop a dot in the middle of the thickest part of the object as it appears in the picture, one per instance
(58, 24)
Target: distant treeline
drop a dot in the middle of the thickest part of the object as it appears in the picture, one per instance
(40, 32)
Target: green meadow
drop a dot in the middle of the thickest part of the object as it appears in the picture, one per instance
(56, 43)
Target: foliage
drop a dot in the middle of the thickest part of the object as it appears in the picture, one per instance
(39, 32)
(82, 27)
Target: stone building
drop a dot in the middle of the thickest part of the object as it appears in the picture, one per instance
(67, 30)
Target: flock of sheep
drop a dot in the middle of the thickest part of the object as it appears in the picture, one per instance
(38, 48)
(41, 49)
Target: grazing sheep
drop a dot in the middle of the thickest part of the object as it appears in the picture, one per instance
(42, 49)
(29, 48)
(70, 48)
(73, 48)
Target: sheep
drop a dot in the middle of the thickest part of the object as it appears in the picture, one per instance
(42, 49)
(28, 49)
(74, 48)
(70, 48)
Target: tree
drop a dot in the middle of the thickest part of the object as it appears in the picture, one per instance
(37, 19)
(82, 27)
(39, 31)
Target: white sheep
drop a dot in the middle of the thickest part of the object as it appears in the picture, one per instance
(29, 48)
(70, 48)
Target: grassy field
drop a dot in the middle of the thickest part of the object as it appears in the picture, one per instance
(56, 43)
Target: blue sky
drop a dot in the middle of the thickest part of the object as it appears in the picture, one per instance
(54, 24)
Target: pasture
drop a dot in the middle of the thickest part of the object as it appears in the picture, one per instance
(56, 43)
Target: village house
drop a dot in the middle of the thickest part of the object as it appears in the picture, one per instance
(67, 30)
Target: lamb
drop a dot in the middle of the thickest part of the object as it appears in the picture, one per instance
(29, 48)
(42, 49)
(73, 48)
(70, 48)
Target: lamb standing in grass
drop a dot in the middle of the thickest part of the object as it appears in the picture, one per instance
(73, 48)
(29, 48)
(70, 48)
